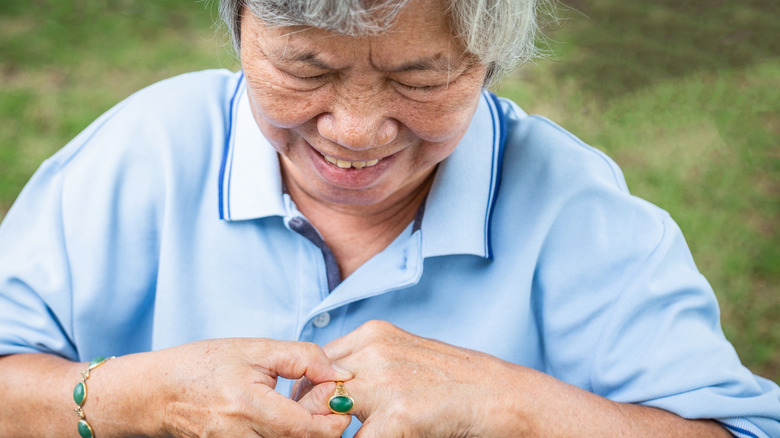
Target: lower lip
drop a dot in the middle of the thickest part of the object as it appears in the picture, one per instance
(350, 178)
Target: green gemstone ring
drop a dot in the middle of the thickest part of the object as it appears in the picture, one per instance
(340, 402)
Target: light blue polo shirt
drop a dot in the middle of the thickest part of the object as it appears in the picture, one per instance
(165, 222)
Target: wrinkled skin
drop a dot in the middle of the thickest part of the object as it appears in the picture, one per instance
(211, 388)
(401, 100)
(409, 386)
(406, 385)
(226, 389)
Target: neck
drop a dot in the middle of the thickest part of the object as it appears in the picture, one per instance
(355, 233)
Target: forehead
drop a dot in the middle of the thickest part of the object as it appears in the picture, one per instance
(421, 31)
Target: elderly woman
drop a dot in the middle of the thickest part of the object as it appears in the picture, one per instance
(354, 212)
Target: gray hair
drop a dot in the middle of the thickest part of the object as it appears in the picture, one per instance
(500, 33)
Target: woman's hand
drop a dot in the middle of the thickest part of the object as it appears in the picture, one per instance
(214, 388)
(406, 385)
(225, 387)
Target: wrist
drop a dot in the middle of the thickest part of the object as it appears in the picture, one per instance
(80, 394)
(512, 410)
(122, 398)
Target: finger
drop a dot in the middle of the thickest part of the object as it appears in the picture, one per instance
(357, 339)
(342, 347)
(316, 398)
(293, 360)
(300, 388)
(284, 417)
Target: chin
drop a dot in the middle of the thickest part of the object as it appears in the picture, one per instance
(353, 197)
(372, 195)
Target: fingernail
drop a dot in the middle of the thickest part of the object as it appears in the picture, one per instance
(346, 374)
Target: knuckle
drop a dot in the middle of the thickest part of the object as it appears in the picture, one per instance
(378, 326)
(309, 348)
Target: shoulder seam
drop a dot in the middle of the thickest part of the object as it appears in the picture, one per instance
(616, 174)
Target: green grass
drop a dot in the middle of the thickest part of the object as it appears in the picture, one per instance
(684, 95)
(64, 63)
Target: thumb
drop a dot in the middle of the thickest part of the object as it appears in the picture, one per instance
(293, 360)
(300, 388)
(316, 399)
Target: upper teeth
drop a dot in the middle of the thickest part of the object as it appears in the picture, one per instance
(344, 164)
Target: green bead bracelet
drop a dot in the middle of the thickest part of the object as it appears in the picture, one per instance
(80, 397)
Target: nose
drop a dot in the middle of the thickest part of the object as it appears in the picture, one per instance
(355, 125)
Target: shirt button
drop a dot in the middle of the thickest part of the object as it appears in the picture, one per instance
(322, 320)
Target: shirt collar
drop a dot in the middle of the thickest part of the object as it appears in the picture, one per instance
(460, 205)
(458, 209)
(250, 177)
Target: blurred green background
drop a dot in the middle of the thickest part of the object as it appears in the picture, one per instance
(685, 96)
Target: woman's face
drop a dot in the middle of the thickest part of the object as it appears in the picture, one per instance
(361, 120)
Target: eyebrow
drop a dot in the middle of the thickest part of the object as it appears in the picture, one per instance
(437, 63)
(292, 54)
(427, 63)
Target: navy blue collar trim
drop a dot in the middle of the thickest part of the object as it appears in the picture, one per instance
(224, 204)
(498, 161)
(417, 224)
(740, 430)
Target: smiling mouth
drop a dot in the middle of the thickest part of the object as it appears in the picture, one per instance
(344, 164)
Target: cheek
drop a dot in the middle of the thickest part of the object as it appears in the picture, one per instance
(431, 154)
(445, 120)
(280, 113)
(278, 105)
(441, 127)
(446, 117)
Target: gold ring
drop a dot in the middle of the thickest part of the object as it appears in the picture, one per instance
(340, 402)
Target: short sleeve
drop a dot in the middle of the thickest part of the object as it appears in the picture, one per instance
(662, 346)
(35, 303)
(622, 309)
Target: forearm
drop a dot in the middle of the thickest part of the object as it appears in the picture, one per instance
(219, 387)
(542, 406)
(38, 397)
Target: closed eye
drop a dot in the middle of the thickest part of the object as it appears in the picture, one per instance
(419, 88)
(309, 78)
